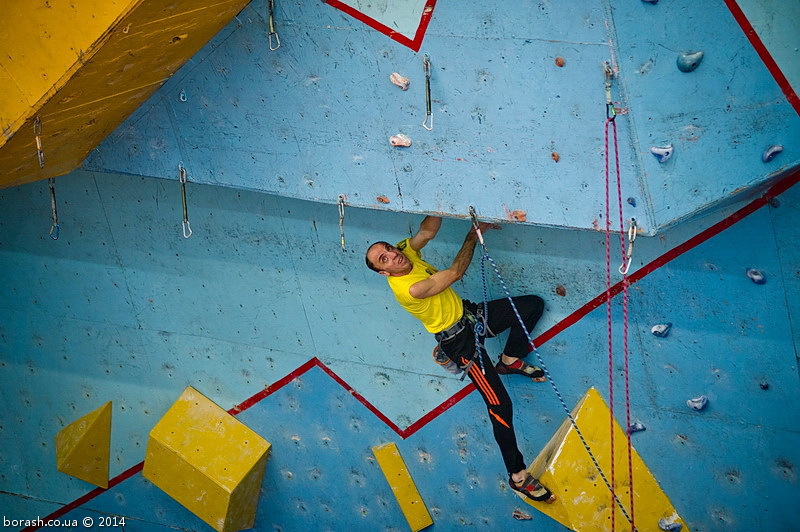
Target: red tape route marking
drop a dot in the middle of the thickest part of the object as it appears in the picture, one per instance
(414, 43)
(777, 189)
(764, 54)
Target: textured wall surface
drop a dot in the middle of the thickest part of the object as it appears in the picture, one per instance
(123, 308)
(261, 307)
(312, 119)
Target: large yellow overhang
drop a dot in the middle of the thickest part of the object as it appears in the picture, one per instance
(71, 72)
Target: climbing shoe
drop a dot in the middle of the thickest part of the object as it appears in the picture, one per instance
(520, 367)
(532, 489)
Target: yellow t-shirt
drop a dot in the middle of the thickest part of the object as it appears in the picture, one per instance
(436, 313)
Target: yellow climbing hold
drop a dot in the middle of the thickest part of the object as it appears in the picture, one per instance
(403, 487)
(83, 447)
(584, 500)
(208, 461)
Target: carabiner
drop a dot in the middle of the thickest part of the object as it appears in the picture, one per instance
(626, 260)
(272, 33)
(187, 229)
(426, 65)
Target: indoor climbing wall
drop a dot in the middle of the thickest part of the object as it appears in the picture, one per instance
(517, 101)
(268, 311)
(131, 311)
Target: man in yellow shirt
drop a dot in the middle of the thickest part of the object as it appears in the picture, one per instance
(428, 295)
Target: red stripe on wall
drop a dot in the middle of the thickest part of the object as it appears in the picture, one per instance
(89, 496)
(764, 54)
(780, 187)
(414, 44)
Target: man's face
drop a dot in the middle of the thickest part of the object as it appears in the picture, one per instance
(389, 260)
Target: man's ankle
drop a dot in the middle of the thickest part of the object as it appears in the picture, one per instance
(507, 360)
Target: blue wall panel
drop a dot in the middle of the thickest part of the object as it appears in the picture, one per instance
(719, 118)
(312, 119)
(263, 285)
(121, 307)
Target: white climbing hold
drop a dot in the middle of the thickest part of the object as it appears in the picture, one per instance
(400, 140)
(661, 330)
(771, 152)
(401, 81)
(669, 524)
(636, 427)
(662, 153)
(757, 276)
(688, 61)
(697, 403)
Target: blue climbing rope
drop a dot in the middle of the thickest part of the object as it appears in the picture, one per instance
(486, 258)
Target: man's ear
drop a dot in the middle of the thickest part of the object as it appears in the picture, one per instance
(385, 274)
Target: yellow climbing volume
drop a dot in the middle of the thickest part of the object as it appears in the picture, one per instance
(208, 461)
(83, 447)
(403, 487)
(584, 500)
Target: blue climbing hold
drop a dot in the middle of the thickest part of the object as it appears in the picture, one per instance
(771, 152)
(661, 330)
(662, 153)
(668, 525)
(636, 427)
(757, 276)
(650, 1)
(698, 403)
(632, 201)
(688, 61)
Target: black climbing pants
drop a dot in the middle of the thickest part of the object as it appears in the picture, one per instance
(461, 349)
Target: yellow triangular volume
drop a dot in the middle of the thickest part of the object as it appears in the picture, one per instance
(83, 447)
(584, 500)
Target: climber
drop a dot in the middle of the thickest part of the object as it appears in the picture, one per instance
(427, 294)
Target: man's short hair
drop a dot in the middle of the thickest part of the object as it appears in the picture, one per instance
(370, 265)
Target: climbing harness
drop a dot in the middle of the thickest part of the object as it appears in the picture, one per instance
(479, 328)
(274, 40)
(341, 219)
(487, 258)
(426, 65)
(187, 230)
(623, 269)
(467, 319)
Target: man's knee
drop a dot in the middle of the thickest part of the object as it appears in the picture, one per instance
(533, 304)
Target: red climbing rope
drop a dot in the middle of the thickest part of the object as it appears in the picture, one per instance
(624, 270)
(608, 322)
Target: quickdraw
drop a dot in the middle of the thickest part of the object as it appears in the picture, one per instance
(426, 65)
(187, 230)
(274, 40)
(341, 219)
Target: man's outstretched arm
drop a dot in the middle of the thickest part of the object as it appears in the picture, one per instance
(427, 230)
(441, 280)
